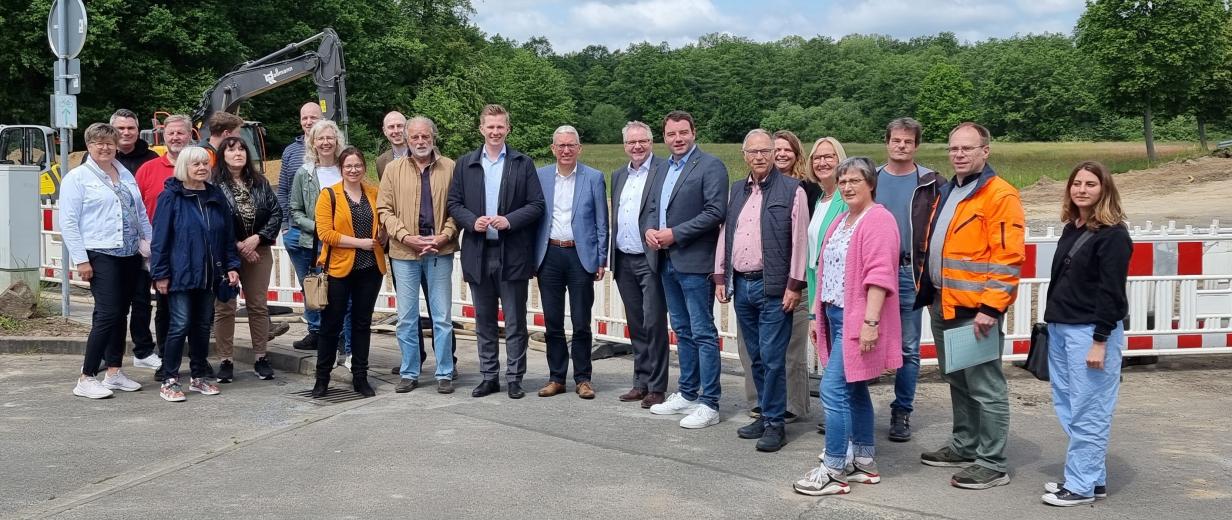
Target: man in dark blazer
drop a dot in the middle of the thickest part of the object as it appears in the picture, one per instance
(688, 201)
(496, 198)
(640, 288)
(571, 254)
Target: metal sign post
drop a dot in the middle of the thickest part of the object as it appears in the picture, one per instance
(66, 34)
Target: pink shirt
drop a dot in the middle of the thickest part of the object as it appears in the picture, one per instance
(746, 239)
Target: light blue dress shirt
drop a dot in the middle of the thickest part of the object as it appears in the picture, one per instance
(492, 173)
(674, 168)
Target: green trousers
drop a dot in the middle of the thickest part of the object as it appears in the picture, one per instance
(980, 400)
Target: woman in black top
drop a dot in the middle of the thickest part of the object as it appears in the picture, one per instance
(1086, 306)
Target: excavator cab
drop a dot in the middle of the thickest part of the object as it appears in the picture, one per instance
(32, 145)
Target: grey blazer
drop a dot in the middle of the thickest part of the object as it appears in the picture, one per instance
(618, 185)
(695, 209)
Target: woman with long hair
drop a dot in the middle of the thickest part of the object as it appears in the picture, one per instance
(1086, 306)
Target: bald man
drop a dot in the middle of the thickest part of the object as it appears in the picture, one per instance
(394, 128)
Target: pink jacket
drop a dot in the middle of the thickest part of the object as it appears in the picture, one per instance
(872, 260)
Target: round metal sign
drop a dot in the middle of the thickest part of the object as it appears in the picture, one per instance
(73, 32)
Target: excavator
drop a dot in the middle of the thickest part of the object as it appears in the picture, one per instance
(253, 78)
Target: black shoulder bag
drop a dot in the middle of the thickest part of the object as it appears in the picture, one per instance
(1037, 357)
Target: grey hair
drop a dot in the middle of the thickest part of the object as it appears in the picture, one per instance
(624, 132)
(188, 156)
(421, 120)
(178, 118)
(864, 166)
(566, 129)
(124, 112)
(753, 132)
(310, 149)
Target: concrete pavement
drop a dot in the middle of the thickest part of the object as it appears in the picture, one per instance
(258, 451)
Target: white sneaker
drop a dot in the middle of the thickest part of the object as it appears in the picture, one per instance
(347, 362)
(701, 417)
(92, 388)
(820, 481)
(119, 381)
(152, 362)
(674, 404)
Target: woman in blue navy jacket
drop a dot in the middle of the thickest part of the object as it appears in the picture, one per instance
(193, 262)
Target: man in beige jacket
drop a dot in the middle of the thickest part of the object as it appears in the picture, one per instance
(422, 241)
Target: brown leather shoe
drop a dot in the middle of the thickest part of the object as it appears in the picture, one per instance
(636, 394)
(584, 390)
(551, 389)
(652, 399)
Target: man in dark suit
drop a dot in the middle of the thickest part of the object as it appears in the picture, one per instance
(639, 284)
(495, 196)
(571, 254)
(688, 201)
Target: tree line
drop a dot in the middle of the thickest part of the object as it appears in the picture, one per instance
(1131, 69)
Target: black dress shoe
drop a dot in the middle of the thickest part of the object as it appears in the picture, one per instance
(515, 391)
(753, 430)
(320, 389)
(361, 385)
(395, 370)
(485, 388)
(773, 439)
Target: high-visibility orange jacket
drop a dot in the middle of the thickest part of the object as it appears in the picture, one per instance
(982, 253)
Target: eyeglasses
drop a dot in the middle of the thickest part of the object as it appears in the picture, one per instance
(764, 152)
(639, 142)
(850, 182)
(568, 146)
(954, 150)
(826, 157)
(102, 144)
(353, 168)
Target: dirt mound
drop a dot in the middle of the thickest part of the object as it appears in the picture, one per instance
(1190, 191)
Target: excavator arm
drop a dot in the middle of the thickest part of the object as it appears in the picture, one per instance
(325, 65)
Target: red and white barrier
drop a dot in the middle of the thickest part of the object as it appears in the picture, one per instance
(1180, 293)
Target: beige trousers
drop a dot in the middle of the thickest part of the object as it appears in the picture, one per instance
(255, 279)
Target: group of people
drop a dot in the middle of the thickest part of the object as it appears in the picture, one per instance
(819, 248)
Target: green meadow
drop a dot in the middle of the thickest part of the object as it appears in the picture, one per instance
(1021, 163)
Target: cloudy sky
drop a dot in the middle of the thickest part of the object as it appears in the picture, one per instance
(572, 25)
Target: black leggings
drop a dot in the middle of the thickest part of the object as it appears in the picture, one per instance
(115, 280)
(361, 289)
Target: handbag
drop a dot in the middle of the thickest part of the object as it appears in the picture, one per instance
(1037, 356)
(316, 284)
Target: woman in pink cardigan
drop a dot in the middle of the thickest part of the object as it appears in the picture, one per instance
(857, 283)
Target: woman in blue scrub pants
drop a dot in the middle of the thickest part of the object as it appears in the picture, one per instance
(1085, 313)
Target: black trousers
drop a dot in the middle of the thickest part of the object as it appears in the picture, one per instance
(114, 282)
(493, 295)
(562, 274)
(139, 320)
(361, 288)
(646, 312)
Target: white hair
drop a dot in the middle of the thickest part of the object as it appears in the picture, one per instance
(753, 132)
(624, 132)
(566, 129)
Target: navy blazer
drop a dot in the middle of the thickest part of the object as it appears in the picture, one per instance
(618, 185)
(589, 216)
(695, 209)
(520, 201)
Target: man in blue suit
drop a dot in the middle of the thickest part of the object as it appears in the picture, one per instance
(570, 255)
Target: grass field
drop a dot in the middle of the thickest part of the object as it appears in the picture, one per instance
(1021, 163)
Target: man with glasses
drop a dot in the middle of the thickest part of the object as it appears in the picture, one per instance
(687, 204)
(970, 278)
(639, 284)
(908, 190)
(570, 255)
(759, 264)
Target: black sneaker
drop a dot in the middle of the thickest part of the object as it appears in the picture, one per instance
(1101, 492)
(159, 375)
(263, 369)
(406, 385)
(226, 371)
(773, 439)
(753, 430)
(789, 417)
(976, 476)
(1065, 498)
(900, 426)
(755, 412)
(944, 458)
(309, 342)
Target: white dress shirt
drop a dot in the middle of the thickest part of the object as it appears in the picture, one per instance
(629, 239)
(562, 206)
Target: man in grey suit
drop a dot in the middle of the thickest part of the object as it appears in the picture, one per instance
(570, 255)
(639, 284)
(688, 202)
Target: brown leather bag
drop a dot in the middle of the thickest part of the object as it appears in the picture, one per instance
(316, 285)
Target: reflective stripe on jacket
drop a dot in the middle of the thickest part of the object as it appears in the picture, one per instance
(983, 250)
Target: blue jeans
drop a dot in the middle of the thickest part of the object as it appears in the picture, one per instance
(1084, 399)
(438, 271)
(848, 406)
(303, 259)
(766, 330)
(907, 376)
(690, 305)
(192, 317)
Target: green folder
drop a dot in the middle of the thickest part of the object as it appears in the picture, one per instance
(963, 349)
